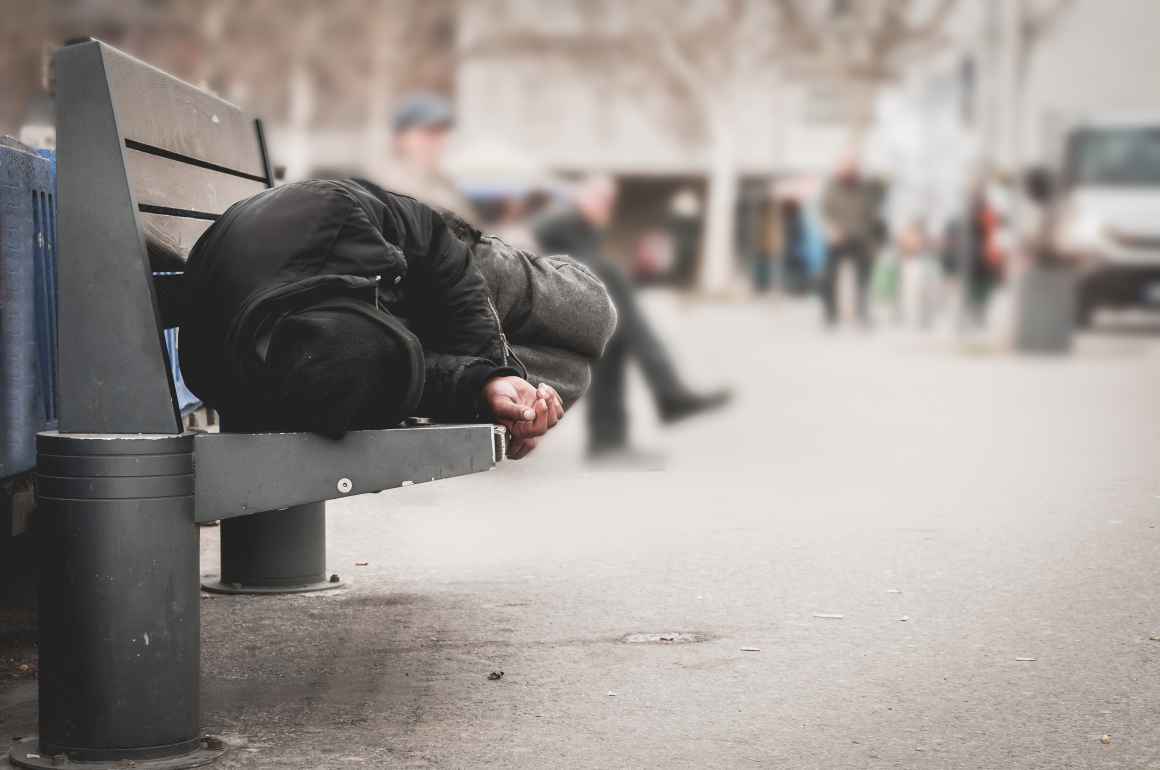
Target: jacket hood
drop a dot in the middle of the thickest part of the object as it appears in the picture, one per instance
(338, 364)
(279, 252)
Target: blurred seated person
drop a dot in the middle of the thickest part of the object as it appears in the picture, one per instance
(328, 306)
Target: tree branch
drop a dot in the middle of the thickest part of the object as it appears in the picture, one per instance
(934, 26)
(798, 25)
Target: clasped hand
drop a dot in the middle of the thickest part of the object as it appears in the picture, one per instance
(528, 412)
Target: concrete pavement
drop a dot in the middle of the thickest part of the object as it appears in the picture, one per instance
(889, 553)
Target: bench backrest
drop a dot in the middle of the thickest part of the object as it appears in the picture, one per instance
(146, 162)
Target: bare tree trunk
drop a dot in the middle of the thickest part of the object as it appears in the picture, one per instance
(301, 109)
(375, 133)
(717, 250)
(862, 101)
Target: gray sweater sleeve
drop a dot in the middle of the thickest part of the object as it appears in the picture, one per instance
(555, 312)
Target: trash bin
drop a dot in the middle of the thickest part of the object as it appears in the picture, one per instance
(1045, 310)
(27, 304)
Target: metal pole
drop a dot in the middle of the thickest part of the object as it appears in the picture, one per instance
(119, 604)
(275, 552)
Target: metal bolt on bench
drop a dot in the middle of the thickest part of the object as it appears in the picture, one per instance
(146, 163)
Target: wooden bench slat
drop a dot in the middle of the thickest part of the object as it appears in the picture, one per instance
(157, 109)
(171, 184)
(169, 239)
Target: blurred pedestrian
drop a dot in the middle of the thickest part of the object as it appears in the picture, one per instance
(850, 211)
(802, 244)
(685, 227)
(919, 279)
(769, 264)
(578, 230)
(420, 130)
(985, 254)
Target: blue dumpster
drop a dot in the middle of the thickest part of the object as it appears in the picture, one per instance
(27, 304)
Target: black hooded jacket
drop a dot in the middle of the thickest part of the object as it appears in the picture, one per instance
(305, 244)
(555, 312)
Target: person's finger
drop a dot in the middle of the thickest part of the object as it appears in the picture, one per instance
(550, 416)
(541, 408)
(530, 429)
(525, 429)
(555, 408)
(504, 408)
(553, 398)
(547, 414)
(545, 417)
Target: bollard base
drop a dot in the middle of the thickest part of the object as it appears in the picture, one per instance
(26, 753)
(275, 552)
(218, 587)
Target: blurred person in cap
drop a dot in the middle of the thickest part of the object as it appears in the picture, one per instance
(578, 230)
(327, 306)
(420, 129)
(850, 210)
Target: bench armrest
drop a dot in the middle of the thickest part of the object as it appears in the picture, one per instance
(243, 473)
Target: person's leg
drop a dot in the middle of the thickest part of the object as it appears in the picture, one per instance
(976, 293)
(607, 416)
(674, 400)
(829, 284)
(863, 266)
(637, 334)
(763, 273)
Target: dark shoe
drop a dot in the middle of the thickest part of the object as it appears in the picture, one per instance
(689, 404)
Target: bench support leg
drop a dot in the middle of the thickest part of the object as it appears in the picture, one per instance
(119, 607)
(275, 552)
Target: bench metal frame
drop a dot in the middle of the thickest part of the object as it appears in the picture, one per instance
(147, 162)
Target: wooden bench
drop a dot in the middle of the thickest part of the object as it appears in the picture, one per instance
(145, 164)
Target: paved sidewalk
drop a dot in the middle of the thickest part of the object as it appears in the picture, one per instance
(889, 553)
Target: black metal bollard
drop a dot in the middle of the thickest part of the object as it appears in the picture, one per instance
(275, 552)
(119, 603)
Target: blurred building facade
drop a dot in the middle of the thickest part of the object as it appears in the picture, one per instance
(667, 96)
(1008, 81)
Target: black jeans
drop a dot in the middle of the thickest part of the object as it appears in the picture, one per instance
(862, 259)
(635, 337)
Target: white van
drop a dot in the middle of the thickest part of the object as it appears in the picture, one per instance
(1106, 219)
